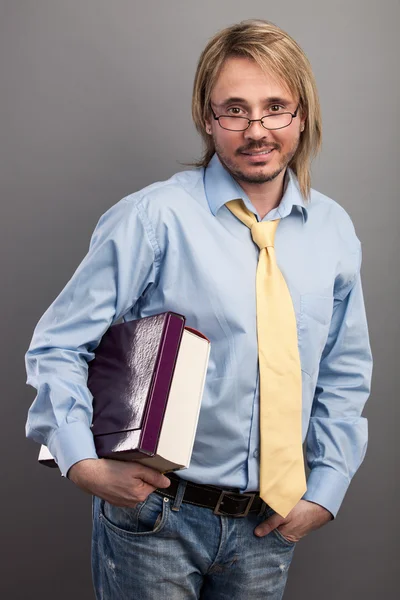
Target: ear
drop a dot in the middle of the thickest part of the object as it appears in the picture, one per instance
(303, 119)
(208, 122)
(208, 127)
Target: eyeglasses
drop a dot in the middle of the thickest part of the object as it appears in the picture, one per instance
(271, 122)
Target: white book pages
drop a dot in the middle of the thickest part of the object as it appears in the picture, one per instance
(179, 426)
(45, 454)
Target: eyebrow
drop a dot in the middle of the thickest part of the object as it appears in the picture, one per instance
(270, 100)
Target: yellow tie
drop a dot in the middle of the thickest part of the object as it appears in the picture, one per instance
(282, 475)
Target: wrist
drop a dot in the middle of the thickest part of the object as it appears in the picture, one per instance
(80, 468)
(322, 511)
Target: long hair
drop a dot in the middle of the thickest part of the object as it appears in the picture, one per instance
(277, 53)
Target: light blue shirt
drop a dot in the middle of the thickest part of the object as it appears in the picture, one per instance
(174, 246)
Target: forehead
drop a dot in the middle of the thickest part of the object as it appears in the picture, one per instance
(244, 78)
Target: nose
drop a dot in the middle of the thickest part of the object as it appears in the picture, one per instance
(256, 131)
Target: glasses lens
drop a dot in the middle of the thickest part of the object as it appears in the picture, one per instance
(277, 121)
(234, 123)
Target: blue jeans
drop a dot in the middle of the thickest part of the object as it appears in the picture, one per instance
(167, 550)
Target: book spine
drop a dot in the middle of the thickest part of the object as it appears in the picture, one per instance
(161, 383)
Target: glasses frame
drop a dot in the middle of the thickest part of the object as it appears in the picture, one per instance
(250, 121)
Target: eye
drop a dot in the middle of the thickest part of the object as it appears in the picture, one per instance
(278, 106)
(233, 110)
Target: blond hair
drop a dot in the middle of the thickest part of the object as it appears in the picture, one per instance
(276, 52)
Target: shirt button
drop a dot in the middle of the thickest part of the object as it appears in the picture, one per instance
(256, 453)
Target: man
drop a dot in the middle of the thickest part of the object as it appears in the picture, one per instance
(198, 244)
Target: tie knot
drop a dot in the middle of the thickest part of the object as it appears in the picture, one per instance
(263, 233)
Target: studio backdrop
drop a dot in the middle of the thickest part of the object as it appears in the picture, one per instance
(83, 85)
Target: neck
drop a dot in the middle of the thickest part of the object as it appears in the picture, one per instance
(264, 196)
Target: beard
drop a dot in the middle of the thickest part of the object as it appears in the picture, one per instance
(261, 177)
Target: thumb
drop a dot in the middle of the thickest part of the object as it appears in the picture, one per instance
(268, 525)
(153, 477)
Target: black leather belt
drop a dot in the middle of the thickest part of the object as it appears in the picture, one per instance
(223, 502)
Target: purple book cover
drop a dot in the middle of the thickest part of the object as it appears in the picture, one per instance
(129, 379)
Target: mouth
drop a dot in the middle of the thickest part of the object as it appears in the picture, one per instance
(258, 155)
(259, 152)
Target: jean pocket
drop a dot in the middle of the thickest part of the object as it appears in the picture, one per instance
(282, 538)
(146, 518)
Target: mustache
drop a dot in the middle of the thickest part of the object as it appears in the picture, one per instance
(256, 148)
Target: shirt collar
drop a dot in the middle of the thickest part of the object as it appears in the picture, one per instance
(220, 187)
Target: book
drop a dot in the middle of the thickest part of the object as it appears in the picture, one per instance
(147, 381)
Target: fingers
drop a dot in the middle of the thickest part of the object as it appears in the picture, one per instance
(268, 525)
(141, 492)
(120, 483)
(152, 477)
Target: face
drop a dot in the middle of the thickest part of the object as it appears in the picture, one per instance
(244, 89)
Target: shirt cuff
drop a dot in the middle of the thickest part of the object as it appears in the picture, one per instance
(71, 443)
(326, 487)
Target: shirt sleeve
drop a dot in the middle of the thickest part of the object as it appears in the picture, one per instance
(337, 437)
(121, 262)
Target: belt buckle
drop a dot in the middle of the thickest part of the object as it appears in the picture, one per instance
(250, 496)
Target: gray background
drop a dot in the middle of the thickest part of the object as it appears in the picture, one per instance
(81, 82)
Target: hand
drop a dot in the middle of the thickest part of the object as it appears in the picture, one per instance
(121, 483)
(303, 518)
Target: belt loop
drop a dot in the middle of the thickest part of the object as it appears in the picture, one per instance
(262, 509)
(180, 492)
